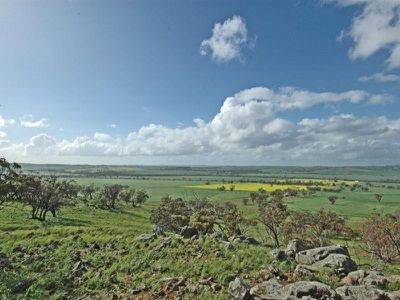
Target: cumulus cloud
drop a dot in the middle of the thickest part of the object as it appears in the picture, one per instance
(250, 124)
(380, 77)
(29, 122)
(113, 126)
(5, 122)
(228, 40)
(375, 28)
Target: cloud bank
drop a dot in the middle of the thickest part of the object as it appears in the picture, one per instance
(250, 124)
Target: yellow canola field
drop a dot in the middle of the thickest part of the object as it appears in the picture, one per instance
(250, 187)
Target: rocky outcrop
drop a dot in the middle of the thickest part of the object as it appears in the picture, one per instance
(310, 256)
(188, 232)
(309, 290)
(244, 239)
(341, 264)
(365, 277)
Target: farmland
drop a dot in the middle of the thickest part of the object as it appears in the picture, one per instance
(114, 263)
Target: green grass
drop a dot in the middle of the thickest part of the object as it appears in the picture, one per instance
(44, 251)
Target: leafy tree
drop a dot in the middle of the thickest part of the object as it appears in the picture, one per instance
(381, 236)
(128, 196)
(245, 201)
(272, 213)
(88, 193)
(378, 197)
(9, 172)
(232, 188)
(221, 188)
(109, 195)
(141, 197)
(314, 228)
(45, 194)
(332, 199)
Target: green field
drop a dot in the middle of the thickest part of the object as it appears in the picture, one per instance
(114, 263)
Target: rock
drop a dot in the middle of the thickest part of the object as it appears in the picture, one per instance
(164, 243)
(294, 247)
(309, 290)
(362, 292)
(365, 277)
(228, 245)
(158, 230)
(238, 290)
(145, 237)
(244, 239)
(278, 254)
(394, 295)
(268, 290)
(310, 256)
(376, 278)
(341, 264)
(304, 271)
(188, 232)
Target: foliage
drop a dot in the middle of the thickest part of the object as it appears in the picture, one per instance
(272, 212)
(45, 194)
(332, 199)
(381, 236)
(109, 196)
(9, 172)
(315, 228)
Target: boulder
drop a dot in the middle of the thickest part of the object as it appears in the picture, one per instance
(239, 290)
(310, 256)
(395, 295)
(309, 290)
(339, 263)
(187, 232)
(304, 271)
(294, 247)
(268, 290)
(365, 277)
(362, 292)
(278, 254)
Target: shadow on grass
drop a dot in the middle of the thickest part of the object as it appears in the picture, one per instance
(63, 221)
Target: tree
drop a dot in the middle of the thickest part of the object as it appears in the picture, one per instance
(315, 228)
(109, 195)
(88, 193)
(127, 195)
(221, 188)
(9, 172)
(272, 213)
(378, 197)
(245, 201)
(332, 199)
(141, 197)
(232, 188)
(381, 236)
(45, 194)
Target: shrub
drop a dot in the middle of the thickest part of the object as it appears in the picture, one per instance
(332, 199)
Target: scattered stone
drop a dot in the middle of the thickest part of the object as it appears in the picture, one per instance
(365, 277)
(228, 245)
(310, 289)
(304, 271)
(310, 256)
(145, 237)
(239, 290)
(361, 292)
(187, 232)
(164, 243)
(394, 295)
(268, 290)
(278, 254)
(157, 230)
(341, 264)
(244, 239)
(294, 247)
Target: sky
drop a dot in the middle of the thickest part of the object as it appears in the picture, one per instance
(288, 82)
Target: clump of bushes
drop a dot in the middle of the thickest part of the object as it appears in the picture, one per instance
(175, 213)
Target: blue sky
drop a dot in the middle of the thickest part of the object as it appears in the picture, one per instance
(71, 69)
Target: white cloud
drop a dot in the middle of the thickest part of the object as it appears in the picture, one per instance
(5, 122)
(380, 77)
(227, 40)
(249, 125)
(29, 122)
(375, 28)
(2, 134)
(113, 125)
